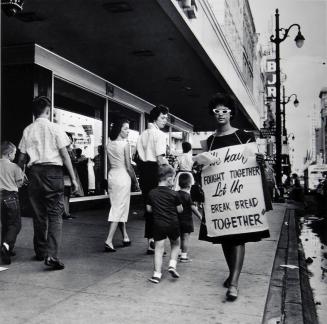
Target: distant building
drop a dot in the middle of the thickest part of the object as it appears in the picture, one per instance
(236, 22)
(323, 112)
(235, 19)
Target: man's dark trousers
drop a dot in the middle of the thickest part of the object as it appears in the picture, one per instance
(10, 217)
(46, 193)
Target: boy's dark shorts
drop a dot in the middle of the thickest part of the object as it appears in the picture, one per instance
(186, 228)
(161, 232)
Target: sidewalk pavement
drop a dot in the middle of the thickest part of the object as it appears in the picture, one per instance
(98, 287)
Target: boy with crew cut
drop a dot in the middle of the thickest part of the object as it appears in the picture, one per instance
(165, 204)
(11, 178)
(186, 218)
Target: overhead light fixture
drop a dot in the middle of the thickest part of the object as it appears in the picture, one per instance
(143, 52)
(12, 7)
(175, 78)
(193, 95)
(29, 17)
(117, 6)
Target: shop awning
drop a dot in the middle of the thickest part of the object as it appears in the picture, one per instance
(133, 44)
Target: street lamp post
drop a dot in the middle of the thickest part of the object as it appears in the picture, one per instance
(277, 39)
(284, 102)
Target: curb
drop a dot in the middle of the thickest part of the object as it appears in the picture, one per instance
(289, 299)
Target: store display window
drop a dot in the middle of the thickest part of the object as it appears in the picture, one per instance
(176, 139)
(116, 111)
(81, 114)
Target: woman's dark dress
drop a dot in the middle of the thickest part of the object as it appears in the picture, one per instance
(214, 143)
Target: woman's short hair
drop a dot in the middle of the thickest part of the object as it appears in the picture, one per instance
(39, 105)
(116, 128)
(156, 111)
(165, 171)
(221, 99)
(7, 148)
(185, 180)
(187, 147)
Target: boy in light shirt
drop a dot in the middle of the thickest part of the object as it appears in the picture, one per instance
(11, 178)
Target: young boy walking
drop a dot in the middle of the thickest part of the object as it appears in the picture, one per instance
(185, 218)
(11, 178)
(165, 204)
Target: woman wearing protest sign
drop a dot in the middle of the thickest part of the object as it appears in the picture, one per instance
(222, 107)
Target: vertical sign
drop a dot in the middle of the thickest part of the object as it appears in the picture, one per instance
(271, 79)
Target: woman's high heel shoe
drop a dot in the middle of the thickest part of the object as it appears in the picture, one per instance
(108, 248)
(232, 293)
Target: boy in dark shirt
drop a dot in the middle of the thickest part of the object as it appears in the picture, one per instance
(185, 218)
(164, 204)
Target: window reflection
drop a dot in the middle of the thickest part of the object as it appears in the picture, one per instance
(80, 114)
(177, 138)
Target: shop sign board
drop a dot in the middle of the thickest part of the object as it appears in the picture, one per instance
(88, 129)
(234, 200)
(270, 159)
(267, 132)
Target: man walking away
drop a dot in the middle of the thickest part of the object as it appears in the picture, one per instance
(44, 146)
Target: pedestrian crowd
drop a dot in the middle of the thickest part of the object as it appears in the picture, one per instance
(171, 194)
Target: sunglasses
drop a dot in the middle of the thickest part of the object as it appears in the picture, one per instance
(218, 111)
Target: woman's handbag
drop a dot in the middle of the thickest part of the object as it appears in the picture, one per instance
(135, 186)
(203, 232)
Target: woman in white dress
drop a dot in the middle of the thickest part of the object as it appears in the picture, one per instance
(120, 176)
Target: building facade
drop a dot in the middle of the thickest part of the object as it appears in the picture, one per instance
(323, 114)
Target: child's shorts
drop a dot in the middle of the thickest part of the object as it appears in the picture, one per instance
(186, 228)
(161, 232)
(186, 223)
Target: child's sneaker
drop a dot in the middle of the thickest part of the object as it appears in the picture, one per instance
(151, 244)
(154, 279)
(5, 253)
(173, 272)
(185, 260)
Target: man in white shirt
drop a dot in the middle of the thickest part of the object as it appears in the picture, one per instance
(43, 147)
(151, 148)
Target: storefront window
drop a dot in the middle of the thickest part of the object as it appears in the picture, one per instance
(81, 114)
(176, 140)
